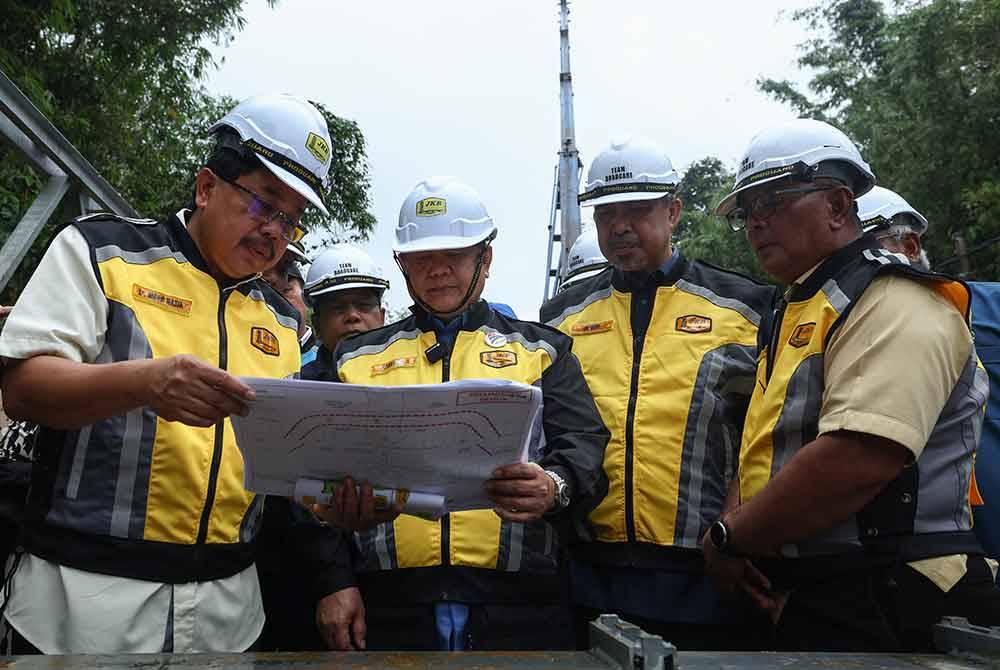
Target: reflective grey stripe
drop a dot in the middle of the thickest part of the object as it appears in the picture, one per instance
(580, 306)
(286, 321)
(523, 341)
(717, 300)
(802, 401)
(79, 457)
(695, 453)
(251, 520)
(885, 257)
(128, 459)
(516, 547)
(837, 299)
(382, 547)
(370, 349)
(144, 257)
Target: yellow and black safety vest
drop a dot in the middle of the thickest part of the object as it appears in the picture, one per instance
(463, 555)
(135, 495)
(923, 513)
(670, 362)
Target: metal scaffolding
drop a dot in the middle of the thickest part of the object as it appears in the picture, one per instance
(27, 130)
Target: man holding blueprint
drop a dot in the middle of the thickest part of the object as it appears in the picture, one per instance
(482, 578)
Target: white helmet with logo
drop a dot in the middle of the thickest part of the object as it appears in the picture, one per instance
(442, 213)
(879, 208)
(585, 259)
(800, 150)
(342, 267)
(289, 136)
(634, 169)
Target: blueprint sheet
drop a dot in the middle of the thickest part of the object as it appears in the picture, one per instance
(438, 438)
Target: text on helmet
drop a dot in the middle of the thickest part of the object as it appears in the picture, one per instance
(432, 206)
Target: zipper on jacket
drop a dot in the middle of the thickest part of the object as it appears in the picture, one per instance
(772, 346)
(640, 317)
(213, 474)
(446, 519)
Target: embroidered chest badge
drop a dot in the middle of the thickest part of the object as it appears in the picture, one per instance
(403, 362)
(264, 340)
(168, 302)
(693, 323)
(802, 334)
(592, 328)
(495, 339)
(498, 359)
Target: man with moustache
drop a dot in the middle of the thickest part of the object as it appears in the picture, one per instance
(852, 514)
(126, 347)
(667, 345)
(484, 579)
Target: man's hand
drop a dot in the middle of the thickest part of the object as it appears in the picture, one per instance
(522, 492)
(730, 573)
(352, 512)
(186, 389)
(340, 618)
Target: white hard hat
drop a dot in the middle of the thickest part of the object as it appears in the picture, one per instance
(342, 267)
(880, 206)
(634, 169)
(802, 149)
(442, 213)
(585, 258)
(290, 137)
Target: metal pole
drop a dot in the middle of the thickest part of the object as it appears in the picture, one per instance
(552, 233)
(569, 157)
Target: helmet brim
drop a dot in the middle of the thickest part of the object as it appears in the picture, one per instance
(628, 196)
(296, 184)
(580, 276)
(442, 243)
(312, 295)
(727, 204)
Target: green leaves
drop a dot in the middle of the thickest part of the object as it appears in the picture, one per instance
(122, 81)
(918, 88)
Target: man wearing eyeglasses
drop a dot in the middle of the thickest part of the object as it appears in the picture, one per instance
(852, 517)
(667, 345)
(126, 347)
(897, 226)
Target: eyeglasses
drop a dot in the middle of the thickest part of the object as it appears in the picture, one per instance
(261, 210)
(766, 204)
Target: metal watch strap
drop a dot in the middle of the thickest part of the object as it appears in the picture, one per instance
(562, 490)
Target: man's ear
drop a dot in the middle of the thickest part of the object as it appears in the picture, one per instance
(487, 258)
(841, 203)
(204, 184)
(674, 208)
(911, 246)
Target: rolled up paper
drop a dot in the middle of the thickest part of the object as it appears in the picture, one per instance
(425, 505)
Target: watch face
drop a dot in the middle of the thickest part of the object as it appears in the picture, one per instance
(717, 533)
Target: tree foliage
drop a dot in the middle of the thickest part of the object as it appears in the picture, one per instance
(702, 235)
(122, 81)
(917, 86)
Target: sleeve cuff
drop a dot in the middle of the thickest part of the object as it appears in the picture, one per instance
(875, 424)
(332, 579)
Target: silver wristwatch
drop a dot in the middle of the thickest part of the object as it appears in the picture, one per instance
(562, 490)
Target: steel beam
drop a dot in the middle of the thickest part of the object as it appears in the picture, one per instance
(30, 226)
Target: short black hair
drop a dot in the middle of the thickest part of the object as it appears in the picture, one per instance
(229, 159)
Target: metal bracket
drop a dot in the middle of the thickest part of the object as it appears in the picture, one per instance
(628, 647)
(957, 635)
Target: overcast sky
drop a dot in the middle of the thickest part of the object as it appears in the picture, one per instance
(470, 88)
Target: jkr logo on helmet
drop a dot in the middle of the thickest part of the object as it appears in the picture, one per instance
(495, 339)
(318, 147)
(432, 206)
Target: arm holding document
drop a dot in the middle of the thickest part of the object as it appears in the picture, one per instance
(573, 458)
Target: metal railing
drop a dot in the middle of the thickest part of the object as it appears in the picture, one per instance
(27, 130)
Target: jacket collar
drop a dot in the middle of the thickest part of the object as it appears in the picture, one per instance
(830, 267)
(475, 316)
(628, 282)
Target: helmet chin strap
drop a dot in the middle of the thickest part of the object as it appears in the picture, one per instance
(468, 294)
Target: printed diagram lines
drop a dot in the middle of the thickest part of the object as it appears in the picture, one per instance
(382, 420)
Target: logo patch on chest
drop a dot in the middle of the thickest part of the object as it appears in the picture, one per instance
(168, 302)
(498, 359)
(693, 323)
(495, 339)
(404, 362)
(592, 328)
(264, 340)
(802, 334)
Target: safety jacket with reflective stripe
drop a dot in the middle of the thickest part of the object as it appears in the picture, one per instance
(135, 495)
(474, 555)
(924, 512)
(670, 362)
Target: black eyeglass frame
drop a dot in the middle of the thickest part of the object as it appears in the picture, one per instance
(269, 212)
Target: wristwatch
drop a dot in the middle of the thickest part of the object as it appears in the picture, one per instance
(720, 537)
(562, 490)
